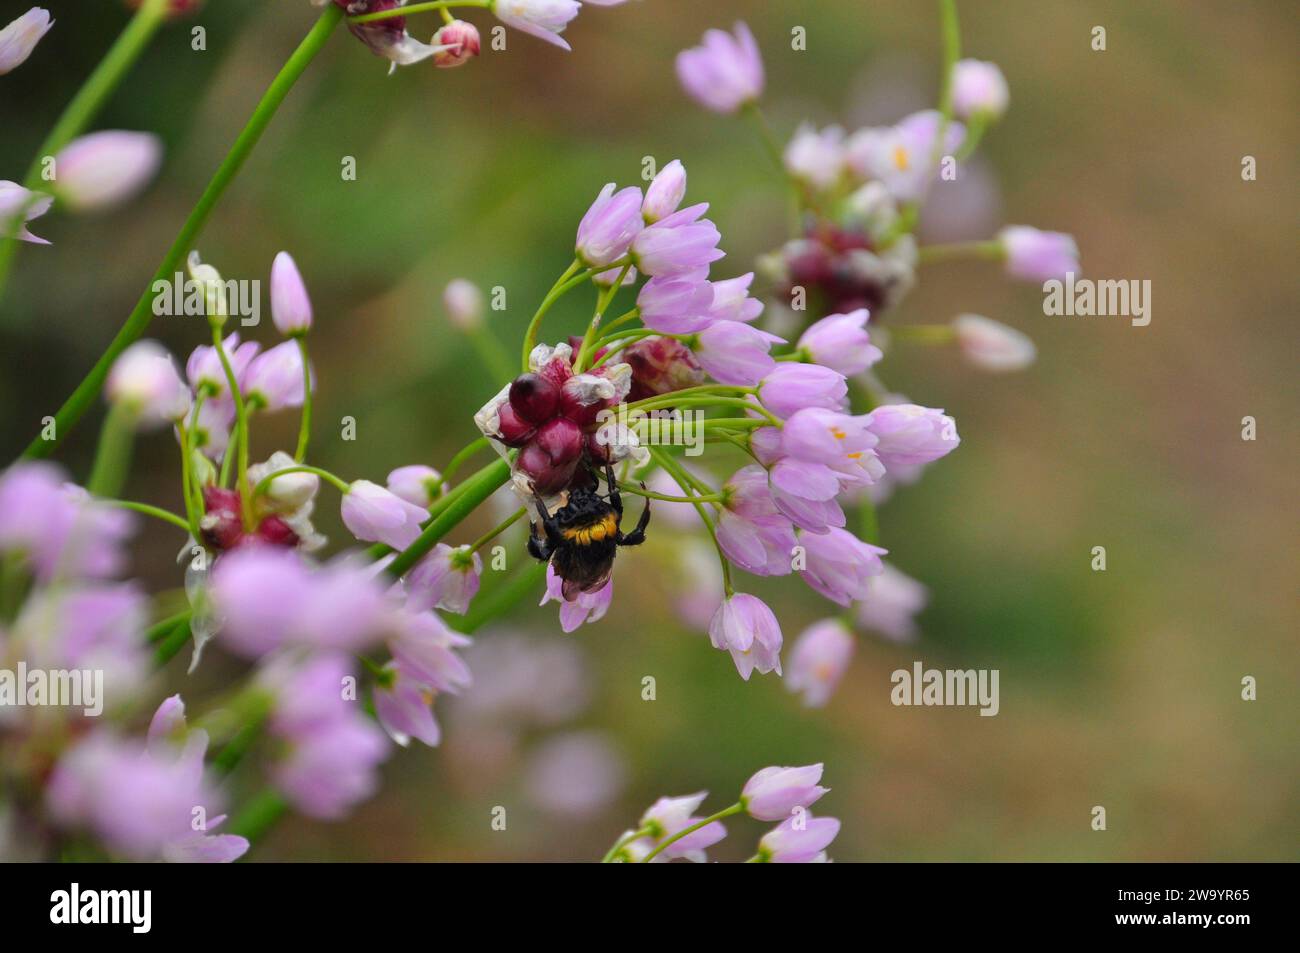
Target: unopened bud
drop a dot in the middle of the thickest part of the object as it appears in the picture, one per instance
(462, 38)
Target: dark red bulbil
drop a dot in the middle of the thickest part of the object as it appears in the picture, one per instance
(223, 526)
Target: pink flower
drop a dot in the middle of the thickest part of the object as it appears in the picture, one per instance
(798, 840)
(417, 484)
(1035, 255)
(206, 372)
(376, 515)
(145, 379)
(902, 156)
(818, 660)
(791, 387)
(424, 650)
(773, 793)
(444, 579)
(676, 304)
(979, 89)
(464, 303)
(909, 434)
(735, 353)
(669, 815)
(816, 158)
(723, 73)
(103, 169)
(841, 342)
(19, 38)
(585, 607)
(751, 531)
(746, 627)
(606, 231)
(840, 565)
(992, 346)
(891, 604)
(290, 305)
(544, 19)
(274, 378)
(18, 206)
(682, 242)
(665, 193)
(402, 706)
(731, 300)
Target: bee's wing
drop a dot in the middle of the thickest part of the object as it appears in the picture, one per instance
(585, 582)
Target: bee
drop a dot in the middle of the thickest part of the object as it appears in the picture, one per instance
(583, 536)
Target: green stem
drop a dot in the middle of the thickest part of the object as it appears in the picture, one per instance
(650, 494)
(304, 429)
(456, 462)
(241, 427)
(498, 530)
(563, 284)
(491, 353)
(470, 494)
(668, 841)
(623, 842)
(161, 628)
(990, 250)
(113, 457)
(487, 606)
(418, 8)
(173, 642)
(81, 398)
(924, 333)
(602, 302)
(77, 115)
(259, 814)
(155, 511)
(723, 389)
(686, 482)
(868, 525)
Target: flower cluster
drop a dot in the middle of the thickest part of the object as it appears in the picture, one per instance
(670, 829)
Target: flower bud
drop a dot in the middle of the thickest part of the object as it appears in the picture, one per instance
(145, 378)
(992, 346)
(773, 793)
(417, 484)
(104, 169)
(464, 303)
(1036, 255)
(463, 39)
(19, 38)
(290, 305)
(978, 89)
(534, 398)
(660, 366)
(665, 193)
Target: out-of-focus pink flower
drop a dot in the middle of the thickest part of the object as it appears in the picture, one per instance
(274, 378)
(141, 800)
(747, 628)
(424, 649)
(792, 386)
(575, 774)
(992, 346)
(772, 794)
(445, 579)
(891, 604)
(376, 515)
(735, 353)
(18, 206)
(464, 303)
(290, 304)
(699, 575)
(146, 381)
(682, 242)
(584, 607)
(1035, 255)
(206, 372)
(979, 89)
(816, 157)
(544, 19)
(902, 156)
(606, 231)
(818, 660)
(751, 531)
(661, 366)
(665, 193)
(417, 484)
(403, 708)
(841, 342)
(840, 565)
(798, 840)
(19, 37)
(723, 73)
(909, 434)
(459, 42)
(103, 169)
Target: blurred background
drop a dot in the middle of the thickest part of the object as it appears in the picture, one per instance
(1118, 688)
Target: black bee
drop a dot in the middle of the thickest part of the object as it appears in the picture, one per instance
(583, 536)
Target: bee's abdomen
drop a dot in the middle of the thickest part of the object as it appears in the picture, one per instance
(604, 527)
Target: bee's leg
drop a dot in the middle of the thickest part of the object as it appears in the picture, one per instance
(637, 536)
(615, 499)
(539, 547)
(554, 537)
